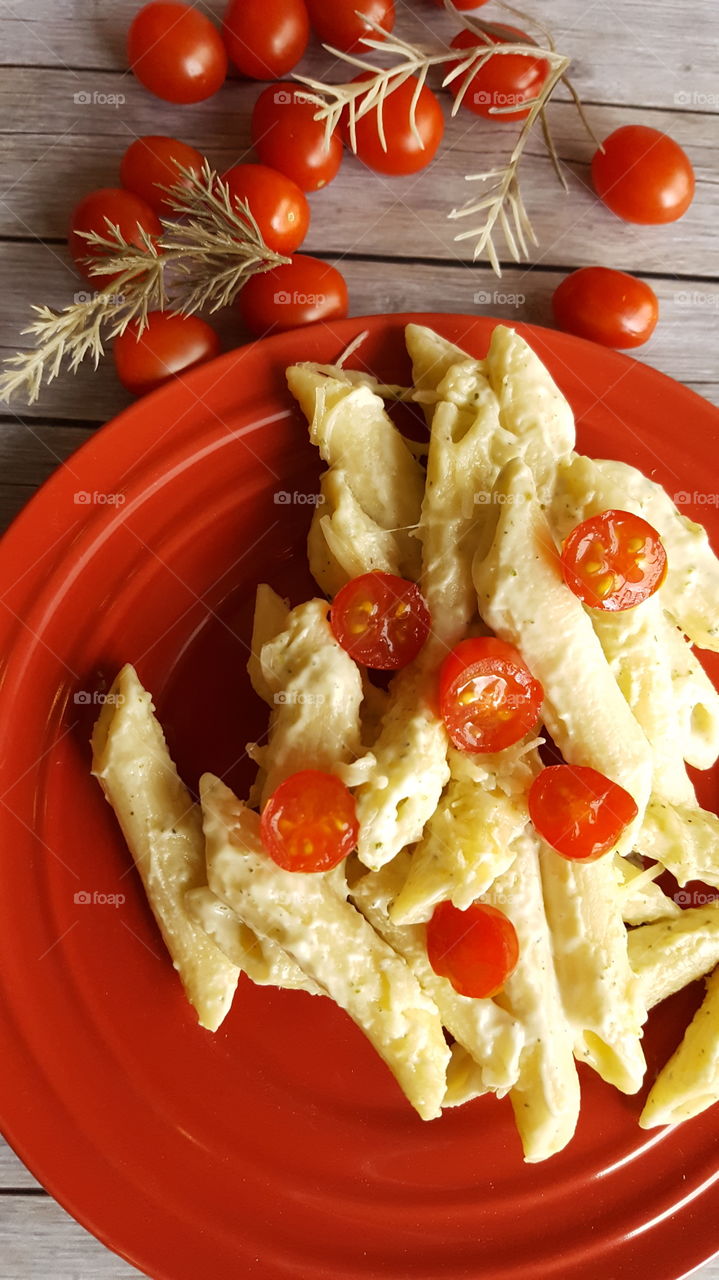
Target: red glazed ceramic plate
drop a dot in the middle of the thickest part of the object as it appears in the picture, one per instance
(280, 1147)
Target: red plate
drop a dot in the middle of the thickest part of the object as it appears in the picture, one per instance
(279, 1147)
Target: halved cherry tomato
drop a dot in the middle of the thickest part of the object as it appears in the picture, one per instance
(309, 823)
(476, 949)
(277, 204)
(380, 620)
(606, 306)
(177, 54)
(167, 346)
(302, 292)
(505, 79)
(404, 153)
(613, 560)
(287, 137)
(578, 811)
(150, 163)
(122, 209)
(488, 697)
(266, 38)
(643, 175)
(340, 23)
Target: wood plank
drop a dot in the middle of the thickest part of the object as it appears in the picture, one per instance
(679, 346)
(625, 54)
(38, 1240)
(47, 172)
(13, 1174)
(30, 451)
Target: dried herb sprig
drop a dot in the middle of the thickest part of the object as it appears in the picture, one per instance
(197, 263)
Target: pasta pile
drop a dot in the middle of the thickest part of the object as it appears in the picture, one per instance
(600, 944)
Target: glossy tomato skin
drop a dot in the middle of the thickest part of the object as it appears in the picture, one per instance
(476, 950)
(380, 620)
(505, 80)
(277, 204)
(403, 153)
(123, 209)
(302, 292)
(151, 163)
(176, 53)
(339, 22)
(309, 823)
(168, 346)
(606, 306)
(613, 561)
(578, 811)
(643, 175)
(266, 38)
(287, 137)
(508, 709)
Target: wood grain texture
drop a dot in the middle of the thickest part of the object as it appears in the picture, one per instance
(69, 108)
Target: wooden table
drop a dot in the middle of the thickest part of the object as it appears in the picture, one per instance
(648, 61)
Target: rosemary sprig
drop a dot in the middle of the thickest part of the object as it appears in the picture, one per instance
(201, 262)
(501, 202)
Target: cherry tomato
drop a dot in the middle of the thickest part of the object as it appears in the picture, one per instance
(380, 620)
(606, 306)
(505, 79)
(488, 697)
(279, 207)
(341, 23)
(476, 949)
(287, 137)
(302, 292)
(167, 346)
(177, 54)
(578, 811)
(404, 154)
(643, 175)
(266, 38)
(309, 823)
(151, 163)
(122, 209)
(613, 561)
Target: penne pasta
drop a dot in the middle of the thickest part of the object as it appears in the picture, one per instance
(685, 839)
(669, 954)
(264, 962)
(689, 1083)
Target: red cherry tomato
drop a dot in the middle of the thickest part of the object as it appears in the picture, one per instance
(606, 306)
(613, 561)
(122, 209)
(488, 697)
(505, 79)
(279, 207)
(309, 823)
(266, 38)
(403, 154)
(341, 24)
(380, 620)
(287, 137)
(476, 949)
(578, 811)
(643, 175)
(167, 346)
(151, 163)
(177, 54)
(302, 292)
